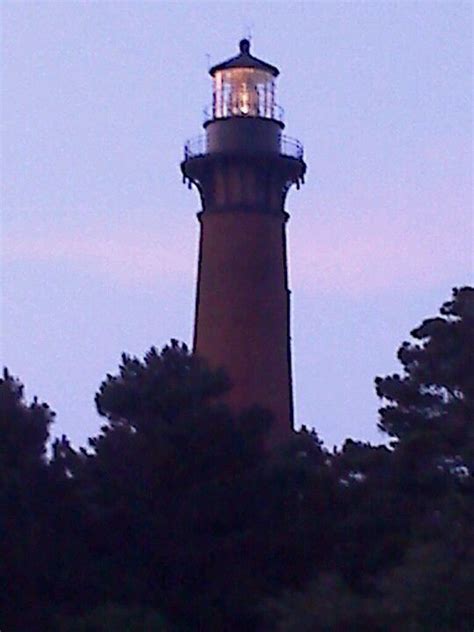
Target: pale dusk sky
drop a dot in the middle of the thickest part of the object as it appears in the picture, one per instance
(99, 236)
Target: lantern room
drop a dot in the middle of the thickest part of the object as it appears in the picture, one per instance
(244, 86)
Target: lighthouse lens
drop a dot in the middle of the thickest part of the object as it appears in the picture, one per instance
(244, 99)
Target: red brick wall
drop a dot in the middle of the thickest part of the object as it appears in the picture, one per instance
(242, 320)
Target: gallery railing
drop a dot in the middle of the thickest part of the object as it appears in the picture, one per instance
(197, 146)
(258, 110)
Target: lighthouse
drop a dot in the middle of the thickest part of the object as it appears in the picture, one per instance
(243, 166)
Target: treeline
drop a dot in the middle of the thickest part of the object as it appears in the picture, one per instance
(175, 519)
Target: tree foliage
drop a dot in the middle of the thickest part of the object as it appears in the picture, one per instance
(430, 589)
(24, 547)
(175, 517)
(178, 481)
(117, 618)
(404, 529)
(432, 402)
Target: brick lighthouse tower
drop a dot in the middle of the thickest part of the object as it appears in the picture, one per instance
(243, 167)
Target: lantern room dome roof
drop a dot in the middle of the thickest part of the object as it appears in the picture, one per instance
(245, 60)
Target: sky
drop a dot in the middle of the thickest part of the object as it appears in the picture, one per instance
(99, 235)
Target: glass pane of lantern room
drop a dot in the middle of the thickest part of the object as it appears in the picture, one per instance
(243, 92)
(218, 96)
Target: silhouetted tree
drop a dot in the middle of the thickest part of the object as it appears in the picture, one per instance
(431, 589)
(160, 484)
(114, 618)
(187, 513)
(176, 508)
(327, 604)
(430, 413)
(24, 541)
(431, 405)
(373, 523)
(404, 520)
